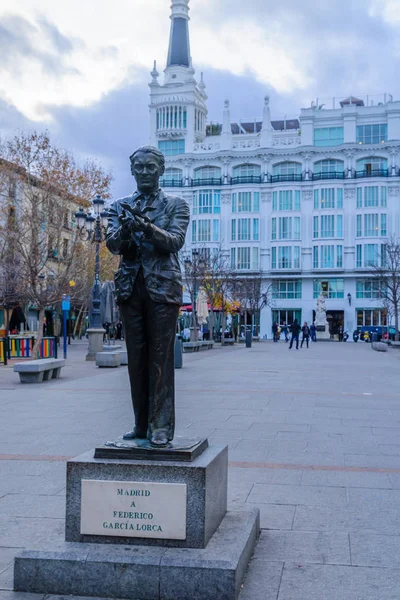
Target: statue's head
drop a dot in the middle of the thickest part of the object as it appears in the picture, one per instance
(147, 166)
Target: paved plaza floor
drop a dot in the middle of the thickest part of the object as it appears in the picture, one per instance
(314, 442)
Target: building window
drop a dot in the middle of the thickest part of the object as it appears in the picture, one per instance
(172, 147)
(371, 134)
(206, 202)
(287, 289)
(371, 196)
(339, 198)
(285, 228)
(287, 316)
(359, 226)
(243, 261)
(315, 257)
(383, 225)
(233, 230)
(215, 230)
(330, 288)
(372, 166)
(371, 225)
(339, 256)
(371, 255)
(359, 197)
(247, 171)
(233, 258)
(256, 230)
(315, 228)
(288, 257)
(329, 166)
(296, 232)
(368, 289)
(287, 168)
(246, 202)
(376, 317)
(339, 226)
(171, 177)
(327, 226)
(244, 234)
(204, 230)
(207, 173)
(383, 196)
(286, 200)
(284, 257)
(327, 253)
(194, 231)
(328, 136)
(255, 254)
(273, 229)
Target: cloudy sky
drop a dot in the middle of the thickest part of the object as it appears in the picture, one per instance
(80, 68)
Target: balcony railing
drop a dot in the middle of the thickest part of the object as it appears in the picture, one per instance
(207, 181)
(171, 182)
(331, 175)
(372, 173)
(246, 179)
(287, 177)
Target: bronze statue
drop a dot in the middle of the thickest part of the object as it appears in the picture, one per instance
(148, 229)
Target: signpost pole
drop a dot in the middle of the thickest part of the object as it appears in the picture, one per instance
(66, 306)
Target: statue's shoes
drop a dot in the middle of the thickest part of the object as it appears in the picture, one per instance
(131, 435)
(159, 439)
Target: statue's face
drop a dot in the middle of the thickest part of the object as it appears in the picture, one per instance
(146, 170)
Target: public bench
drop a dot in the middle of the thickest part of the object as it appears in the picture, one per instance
(228, 341)
(191, 346)
(36, 371)
(206, 345)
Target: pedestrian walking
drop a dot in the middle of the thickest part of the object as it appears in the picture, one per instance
(295, 334)
(306, 334)
(285, 331)
(275, 331)
(313, 332)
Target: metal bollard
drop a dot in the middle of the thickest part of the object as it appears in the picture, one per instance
(178, 352)
(249, 336)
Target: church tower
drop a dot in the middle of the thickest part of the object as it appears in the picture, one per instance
(178, 110)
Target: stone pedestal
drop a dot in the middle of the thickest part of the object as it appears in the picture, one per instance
(146, 530)
(95, 342)
(204, 484)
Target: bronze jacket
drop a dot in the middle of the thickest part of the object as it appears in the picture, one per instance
(156, 252)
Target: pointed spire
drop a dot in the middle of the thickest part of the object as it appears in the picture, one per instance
(202, 85)
(179, 46)
(155, 75)
(226, 126)
(266, 131)
(266, 126)
(226, 137)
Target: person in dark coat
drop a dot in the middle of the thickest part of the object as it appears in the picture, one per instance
(306, 334)
(147, 230)
(295, 334)
(313, 332)
(275, 331)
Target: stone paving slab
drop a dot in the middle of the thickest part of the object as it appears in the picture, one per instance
(327, 582)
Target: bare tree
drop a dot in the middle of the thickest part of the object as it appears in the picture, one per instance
(219, 287)
(253, 295)
(387, 274)
(37, 229)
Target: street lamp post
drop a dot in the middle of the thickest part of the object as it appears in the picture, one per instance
(192, 269)
(95, 226)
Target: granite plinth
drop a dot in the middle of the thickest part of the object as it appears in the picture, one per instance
(205, 478)
(179, 449)
(143, 573)
(107, 359)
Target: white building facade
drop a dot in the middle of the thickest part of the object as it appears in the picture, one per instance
(307, 202)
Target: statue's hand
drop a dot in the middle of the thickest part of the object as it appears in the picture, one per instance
(127, 222)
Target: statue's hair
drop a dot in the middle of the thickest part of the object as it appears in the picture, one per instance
(150, 150)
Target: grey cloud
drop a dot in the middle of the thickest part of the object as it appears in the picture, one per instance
(17, 40)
